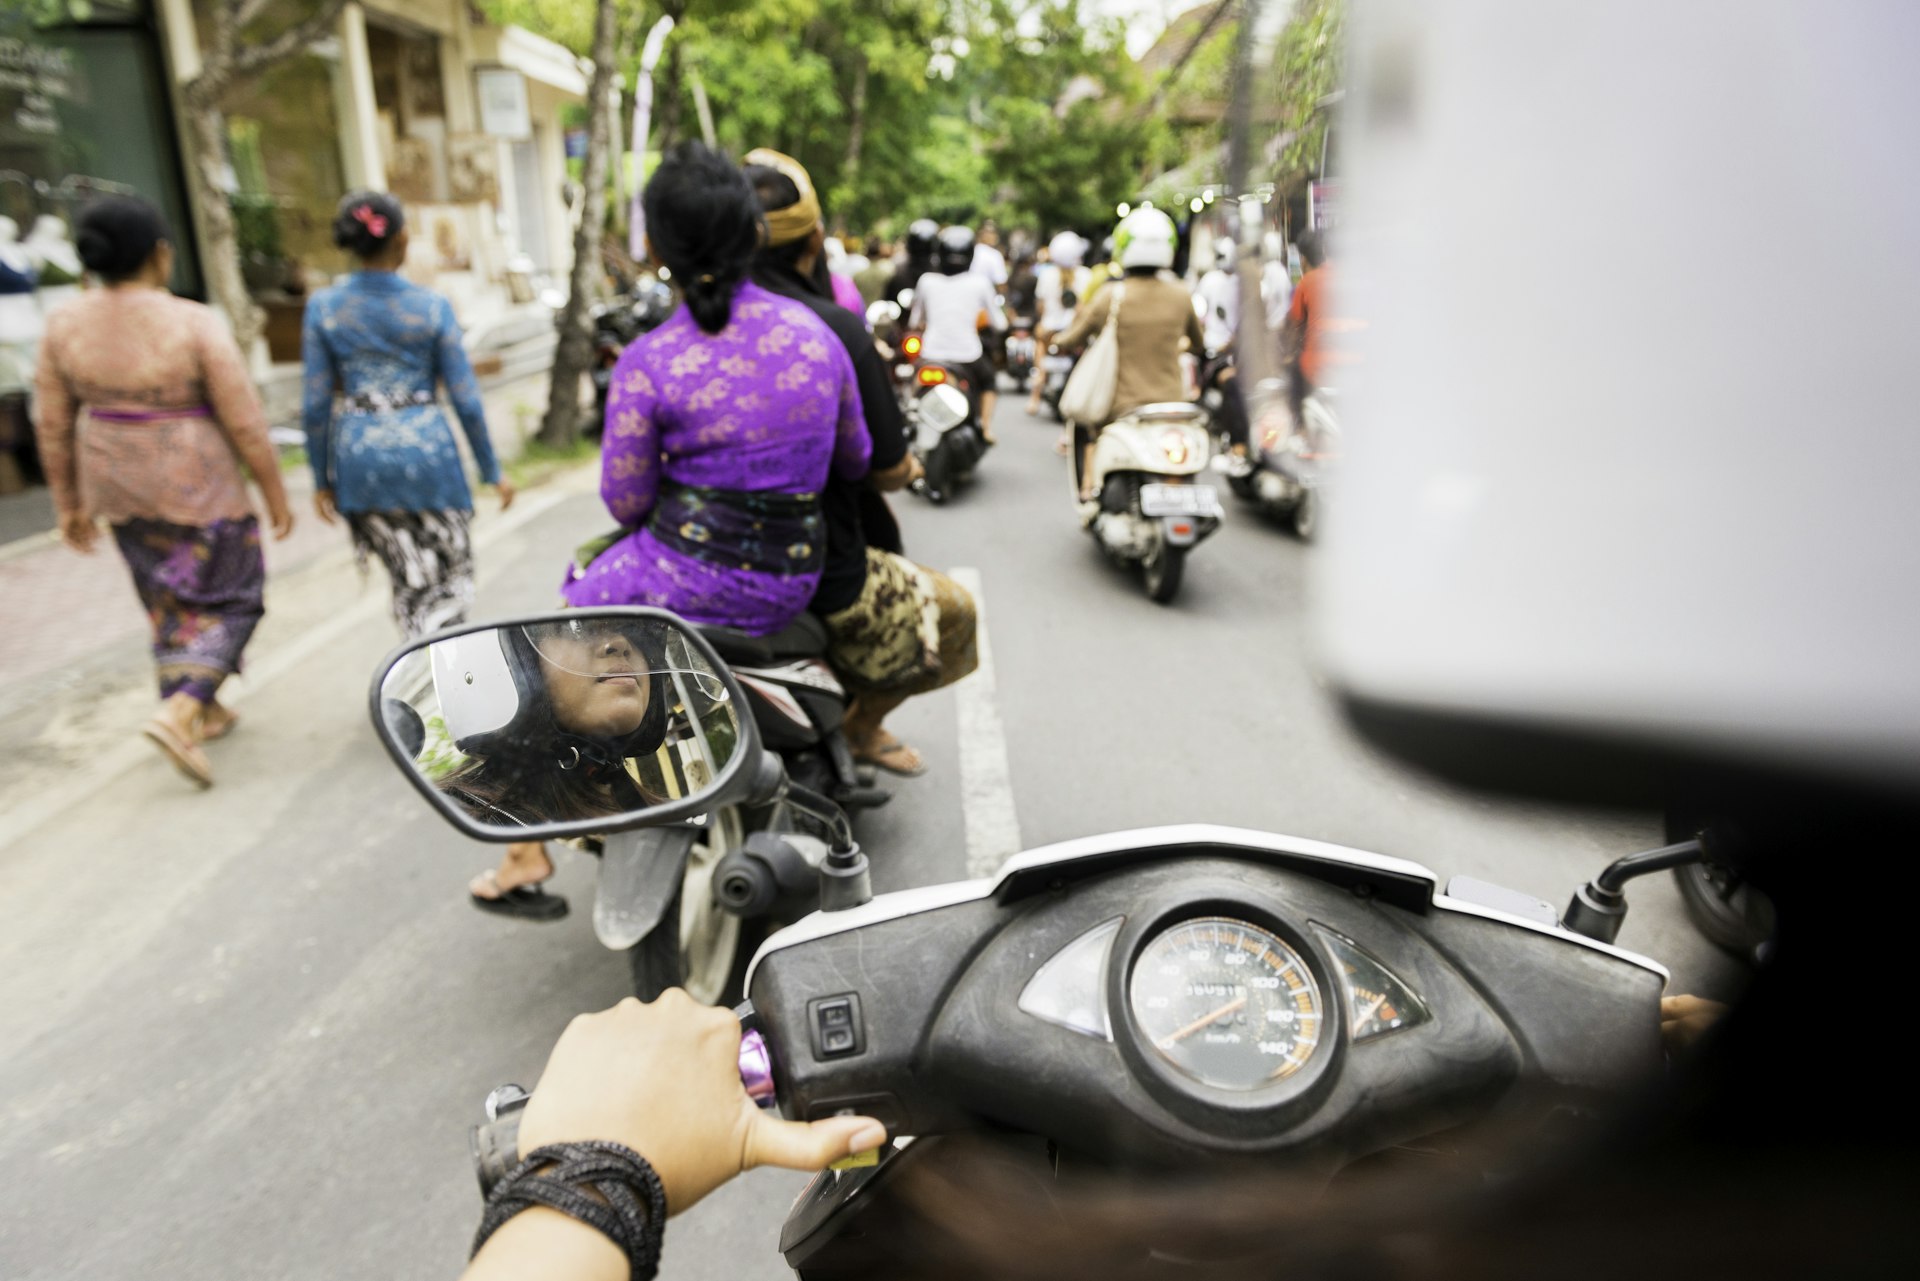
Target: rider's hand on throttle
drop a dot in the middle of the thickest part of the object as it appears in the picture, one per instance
(664, 1079)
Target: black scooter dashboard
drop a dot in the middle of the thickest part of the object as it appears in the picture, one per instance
(1198, 996)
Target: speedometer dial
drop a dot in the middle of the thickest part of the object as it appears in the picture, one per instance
(1227, 1003)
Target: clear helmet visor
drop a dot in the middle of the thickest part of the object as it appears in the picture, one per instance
(607, 649)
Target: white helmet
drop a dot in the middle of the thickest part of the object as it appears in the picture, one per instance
(1223, 251)
(1145, 238)
(1066, 250)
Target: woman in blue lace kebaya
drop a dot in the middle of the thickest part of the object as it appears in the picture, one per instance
(376, 349)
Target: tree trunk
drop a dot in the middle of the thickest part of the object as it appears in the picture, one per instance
(229, 287)
(856, 137)
(561, 426)
(666, 100)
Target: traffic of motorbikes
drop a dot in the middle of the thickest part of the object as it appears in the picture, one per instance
(1150, 1002)
(1150, 466)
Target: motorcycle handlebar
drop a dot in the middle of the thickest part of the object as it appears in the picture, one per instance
(495, 1143)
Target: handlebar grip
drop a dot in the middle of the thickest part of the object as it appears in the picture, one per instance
(496, 1149)
(495, 1143)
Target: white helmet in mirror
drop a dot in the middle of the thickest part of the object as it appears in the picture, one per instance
(473, 680)
(1145, 238)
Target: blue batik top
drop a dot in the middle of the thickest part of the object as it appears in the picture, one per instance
(384, 346)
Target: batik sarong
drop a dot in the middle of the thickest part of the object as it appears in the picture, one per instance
(429, 557)
(911, 631)
(203, 587)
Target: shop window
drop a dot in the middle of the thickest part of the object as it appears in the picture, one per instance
(84, 109)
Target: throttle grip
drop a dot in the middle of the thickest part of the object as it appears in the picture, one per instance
(495, 1143)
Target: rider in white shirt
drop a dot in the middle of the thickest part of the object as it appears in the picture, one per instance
(988, 261)
(950, 305)
(1219, 295)
(1056, 281)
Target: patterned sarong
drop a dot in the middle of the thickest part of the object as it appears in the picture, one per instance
(203, 587)
(429, 557)
(912, 630)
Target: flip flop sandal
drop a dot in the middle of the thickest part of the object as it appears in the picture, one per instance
(527, 902)
(226, 728)
(185, 754)
(893, 747)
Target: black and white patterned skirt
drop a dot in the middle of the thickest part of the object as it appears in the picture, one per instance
(429, 557)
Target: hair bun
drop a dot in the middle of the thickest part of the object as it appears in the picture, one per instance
(95, 248)
(116, 235)
(366, 222)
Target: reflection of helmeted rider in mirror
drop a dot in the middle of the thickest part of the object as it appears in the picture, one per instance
(551, 721)
(551, 718)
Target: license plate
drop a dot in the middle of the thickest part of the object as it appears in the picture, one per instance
(1179, 500)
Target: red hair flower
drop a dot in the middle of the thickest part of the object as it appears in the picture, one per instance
(375, 223)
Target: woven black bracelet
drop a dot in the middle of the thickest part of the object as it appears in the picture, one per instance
(606, 1186)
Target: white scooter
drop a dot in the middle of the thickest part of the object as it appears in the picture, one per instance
(1148, 509)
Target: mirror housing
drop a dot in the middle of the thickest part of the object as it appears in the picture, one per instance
(490, 720)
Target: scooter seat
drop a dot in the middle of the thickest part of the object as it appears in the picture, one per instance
(1164, 410)
(805, 637)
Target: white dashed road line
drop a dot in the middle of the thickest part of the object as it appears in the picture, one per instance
(986, 780)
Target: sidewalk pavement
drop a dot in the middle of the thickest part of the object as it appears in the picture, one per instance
(62, 606)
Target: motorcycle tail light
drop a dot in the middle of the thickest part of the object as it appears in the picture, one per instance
(912, 345)
(1183, 529)
(1175, 446)
(930, 376)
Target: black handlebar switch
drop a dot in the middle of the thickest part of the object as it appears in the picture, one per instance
(836, 1026)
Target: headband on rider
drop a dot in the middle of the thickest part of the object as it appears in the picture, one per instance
(784, 226)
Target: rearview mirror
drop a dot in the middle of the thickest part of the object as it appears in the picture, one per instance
(569, 724)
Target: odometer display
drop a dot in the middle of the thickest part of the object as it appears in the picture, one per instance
(1227, 1003)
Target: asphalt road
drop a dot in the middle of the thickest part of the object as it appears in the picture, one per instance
(245, 1031)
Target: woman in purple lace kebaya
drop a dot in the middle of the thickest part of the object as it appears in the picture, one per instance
(721, 425)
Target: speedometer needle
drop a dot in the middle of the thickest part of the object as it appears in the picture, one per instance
(1168, 1042)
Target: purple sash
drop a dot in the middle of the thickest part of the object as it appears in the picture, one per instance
(150, 415)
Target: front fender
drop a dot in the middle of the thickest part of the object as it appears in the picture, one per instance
(640, 873)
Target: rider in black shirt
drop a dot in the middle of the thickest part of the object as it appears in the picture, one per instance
(872, 599)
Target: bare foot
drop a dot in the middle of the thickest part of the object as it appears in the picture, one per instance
(216, 721)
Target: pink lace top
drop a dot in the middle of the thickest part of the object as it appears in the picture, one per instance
(145, 410)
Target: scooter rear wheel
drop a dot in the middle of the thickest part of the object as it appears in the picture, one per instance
(1163, 571)
(1306, 516)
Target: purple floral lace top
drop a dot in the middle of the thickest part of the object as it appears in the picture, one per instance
(769, 404)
